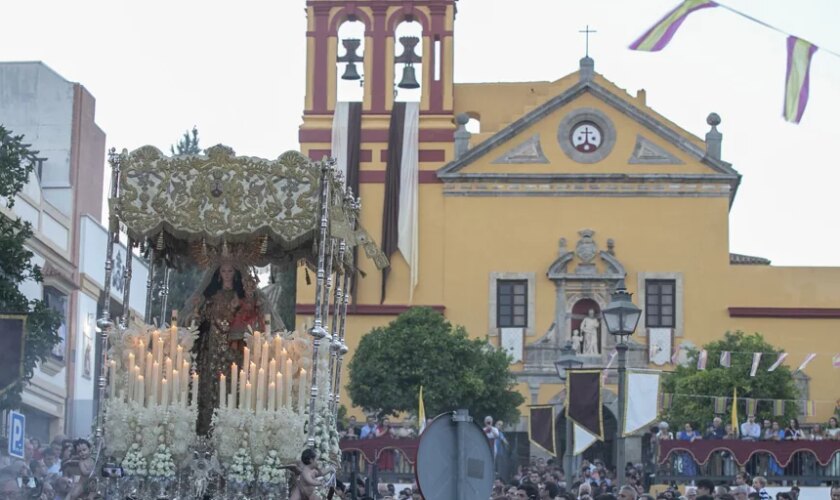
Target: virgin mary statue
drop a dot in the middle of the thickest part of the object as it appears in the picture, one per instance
(226, 306)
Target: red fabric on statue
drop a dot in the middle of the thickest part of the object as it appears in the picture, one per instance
(782, 451)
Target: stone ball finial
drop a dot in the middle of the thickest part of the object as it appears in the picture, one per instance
(462, 119)
(713, 119)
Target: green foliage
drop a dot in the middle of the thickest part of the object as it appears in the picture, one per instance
(188, 145)
(718, 381)
(419, 348)
(16, 164)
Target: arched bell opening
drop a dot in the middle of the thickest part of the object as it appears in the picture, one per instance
(350, 66)
(408, 66)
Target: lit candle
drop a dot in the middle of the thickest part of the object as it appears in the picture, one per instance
(247, 361)
(256, 342)
(234, 385)
(278, 346)
(248, 395)
(242, 382)
(302, 390)
(179, 357)
(194, 389)
(141, 393)
(131, 361)
(173, 333)
(155, 338)
(168, 364)
(252, 374)
(137, 387)
(272, 369)
(155, 383)
(283, 356)
(287, 376)
(148, 372)
(260, 390)
(264, 355)
(164, 393)
(222, 391)
(272, 396)
(176, 388)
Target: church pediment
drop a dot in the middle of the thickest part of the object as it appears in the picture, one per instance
(590, 135)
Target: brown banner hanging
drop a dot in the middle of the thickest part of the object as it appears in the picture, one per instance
(541, 428)
(391, 205)
(583, 400)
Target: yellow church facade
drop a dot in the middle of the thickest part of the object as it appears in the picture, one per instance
(527, 225)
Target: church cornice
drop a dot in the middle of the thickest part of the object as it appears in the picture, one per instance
(725, 173)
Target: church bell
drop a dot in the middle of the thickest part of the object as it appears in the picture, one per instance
(409, 79)
(350, 72)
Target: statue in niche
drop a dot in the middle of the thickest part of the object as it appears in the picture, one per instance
(589, 327)
(576, 341)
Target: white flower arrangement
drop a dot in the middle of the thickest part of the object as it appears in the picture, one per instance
(241, 468)
(162, 464)
(326, 436)
(234, 429)
(134, 463)
(271, 471)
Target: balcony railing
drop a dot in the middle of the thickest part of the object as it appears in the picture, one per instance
(807, 462)
(387, 459)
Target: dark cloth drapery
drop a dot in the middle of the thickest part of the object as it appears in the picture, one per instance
(541, 428)
(583, 400)
(354, 149)
(391, 205)
(783, 451)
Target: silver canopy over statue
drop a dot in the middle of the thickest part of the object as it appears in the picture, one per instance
(229, 215)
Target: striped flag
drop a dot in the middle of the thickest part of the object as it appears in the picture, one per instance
(799, 54)
(720, 405)
(778, 407)
(658, 36)
(701, 359)
(778, 362)
(725, 359)
(421, 412)
(756, 360)
(808, 359)
(666, 400)
(752, 406)
(835, 361)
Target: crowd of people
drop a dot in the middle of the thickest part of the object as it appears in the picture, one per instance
(57, 471)
(752, 430)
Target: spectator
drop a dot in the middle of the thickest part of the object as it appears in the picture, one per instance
(383, 429)
(835, 490)
(705, 487)
(741, 492)
(793, 432)
(794, 493)
(550, 491)
(491, 433)
(528, 492)
(767, 430)
(352, 430)
(627, 493)
(817, 434)
(832, 431)
(51, 461)
(721, 490)
(367, 431)
(750, 430)
(716, 430)
(691, 492)
(8, 483)
(760, 485)
(664, 433)
(684, 459)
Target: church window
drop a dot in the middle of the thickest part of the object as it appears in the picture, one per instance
(512, 303)
(57, 301)
(660, 304)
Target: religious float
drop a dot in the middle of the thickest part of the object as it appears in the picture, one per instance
(221, 399)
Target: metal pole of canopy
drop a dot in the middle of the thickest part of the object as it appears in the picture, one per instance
(348, 282)
(317, 331)
(164, 293)
(129, 259)
(149, 282)
(335, 343)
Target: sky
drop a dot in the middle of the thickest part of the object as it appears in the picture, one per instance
(236, 70)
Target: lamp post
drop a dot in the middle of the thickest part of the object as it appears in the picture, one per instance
(621, 317)
(568, 361)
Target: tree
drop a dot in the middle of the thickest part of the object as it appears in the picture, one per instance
(421, 347)
(182, 281)
(715, 380)
(16, 164)
(188, 145)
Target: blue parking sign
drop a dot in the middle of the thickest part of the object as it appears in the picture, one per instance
(17, 431)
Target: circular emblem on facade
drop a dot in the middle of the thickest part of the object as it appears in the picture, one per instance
(586, 135)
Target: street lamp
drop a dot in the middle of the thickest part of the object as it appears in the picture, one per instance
(568, 361)
(621, 317)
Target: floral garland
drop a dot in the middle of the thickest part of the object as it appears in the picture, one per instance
(271, 471)
(134, 463)
(282, 430)
(129, 424)
(161, 464)
(326, 436)
(241, 469)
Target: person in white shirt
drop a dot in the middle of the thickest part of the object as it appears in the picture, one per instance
(751, 430)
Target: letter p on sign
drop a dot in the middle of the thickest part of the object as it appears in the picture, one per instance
(17, 431)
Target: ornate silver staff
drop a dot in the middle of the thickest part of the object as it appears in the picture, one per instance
(317, 331)
(341, 346)
(149, 281)
(129, 259)
(335, 343)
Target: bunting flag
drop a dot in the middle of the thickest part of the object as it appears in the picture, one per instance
(809, 408)
(752, 406)
(778, 407)
(755, 361)
(658, 36)
(541, 428)
(720, 405)
(734, 417)
(583, 439)
(701, 359)
(808, 359)
(835, 361)
(666, 400)
(640, 407)
(583, 400)
(778, 362)
(407, 223)
(725, 359)
(799, 54)
(421, 412)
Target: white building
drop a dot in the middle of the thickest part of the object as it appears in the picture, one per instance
(63, 202)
